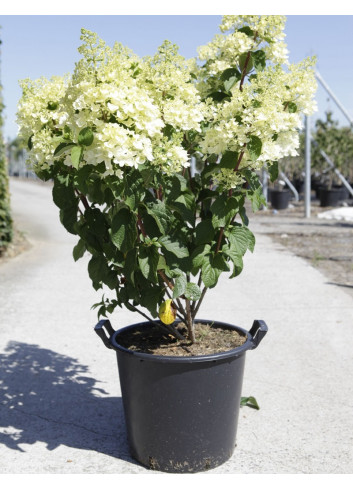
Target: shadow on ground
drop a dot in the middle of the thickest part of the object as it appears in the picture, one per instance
(48, 397)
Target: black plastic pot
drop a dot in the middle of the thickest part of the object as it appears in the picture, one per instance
(315, 183)
(279, 198)
(181, 412)
(330, 197)
(343, 190)
(299, 185)
(319, 189)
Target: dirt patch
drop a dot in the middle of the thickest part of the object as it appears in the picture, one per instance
(326, 244)
(18, 245)
(210, 339)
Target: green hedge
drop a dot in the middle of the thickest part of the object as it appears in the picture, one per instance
(5, 212)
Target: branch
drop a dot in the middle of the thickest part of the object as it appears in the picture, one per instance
(83, 199)
(167, 328)
(243, 73)
(219, 239)
(165, 279)
(189, 322)
(141, 226)
(199, 303)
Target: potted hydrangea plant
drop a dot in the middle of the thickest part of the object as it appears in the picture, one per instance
(117, 138)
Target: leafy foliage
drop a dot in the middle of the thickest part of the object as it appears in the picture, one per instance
(6, 230)
(117, 142)
(335, 141)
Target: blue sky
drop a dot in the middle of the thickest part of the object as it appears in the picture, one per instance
(46, 45)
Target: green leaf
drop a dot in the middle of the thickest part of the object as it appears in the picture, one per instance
(123, 230)
(207, 174)
(29, 142)
(229, 160)
(160, 214)
(229, 84)
(236, 259)
(68, 218)
(243, 216)
(162, 264)
(148, 262)
(223, 210)
(259, 59)
(151, 298)
(179, 286)
(85, 136)
(292, 107)
(250, 402)
(64, 194)
(110, 279)
(247, 30)
(218, 96)
(204, 232)
(82, 177)
(192, 291)
(96, 222)
(185, 206)
(209, 274)
(93, 242)
(95, 189)
(174, 246)
(76, 154)
(100, 272)
(212, 267)
(130, 265)
(230, 73)
(254, 147)
(97, 268)
(241, 239)
(79, 250)
(52, 105)
(62, 148)
(242, 62)
(257, 199)
(198, 255)
(213, 158)
(273, 170)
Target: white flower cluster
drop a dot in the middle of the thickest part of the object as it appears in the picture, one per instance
(126, 101)
(268, 106)
(241, 92)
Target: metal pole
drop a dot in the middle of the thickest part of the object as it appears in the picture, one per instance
(290, 185)
(265, 183)
(307, 190)
(329, 91)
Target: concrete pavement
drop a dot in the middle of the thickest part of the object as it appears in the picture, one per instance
(60, 400)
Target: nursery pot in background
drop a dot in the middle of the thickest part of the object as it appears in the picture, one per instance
(299, 185)
(181, 412)
(344, 191)
(279, 198)
(330, 197)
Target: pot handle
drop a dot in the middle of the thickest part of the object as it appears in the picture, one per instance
(104, 323)
(258, 331)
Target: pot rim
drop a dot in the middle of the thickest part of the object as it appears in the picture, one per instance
(212, 357)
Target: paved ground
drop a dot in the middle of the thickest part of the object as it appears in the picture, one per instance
(60, 404)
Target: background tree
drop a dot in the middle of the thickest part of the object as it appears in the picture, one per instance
(5, 214)
(335, 141)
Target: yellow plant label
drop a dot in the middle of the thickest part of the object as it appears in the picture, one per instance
(167, 312)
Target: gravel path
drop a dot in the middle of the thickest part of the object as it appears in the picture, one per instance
(60, 404)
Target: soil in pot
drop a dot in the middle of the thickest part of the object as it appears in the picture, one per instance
(209, 340)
